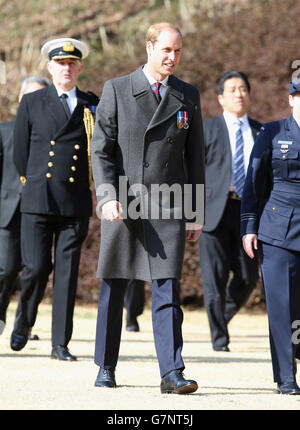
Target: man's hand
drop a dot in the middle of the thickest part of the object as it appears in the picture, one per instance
(193, 232)
(112, 210)
(250, 244)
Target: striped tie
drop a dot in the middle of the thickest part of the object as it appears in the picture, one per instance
(238, 162)
(156, 92)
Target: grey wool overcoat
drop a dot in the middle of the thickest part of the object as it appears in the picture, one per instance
(138, 139)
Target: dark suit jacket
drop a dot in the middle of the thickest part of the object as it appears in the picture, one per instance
(44, 135)
(10, 185)
(136, 137)
(218, 167)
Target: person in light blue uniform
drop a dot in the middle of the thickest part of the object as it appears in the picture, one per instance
(270, 223)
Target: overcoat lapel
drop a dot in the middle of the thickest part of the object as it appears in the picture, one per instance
(143, 94)
(153, 113)
(170, 104)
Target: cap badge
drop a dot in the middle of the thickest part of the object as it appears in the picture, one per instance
(68, 47)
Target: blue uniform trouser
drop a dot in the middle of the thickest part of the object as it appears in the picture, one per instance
(167, 320)
(281, 279)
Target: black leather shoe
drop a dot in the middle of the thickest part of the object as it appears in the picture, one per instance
(18, 340)
(174, 383)
(106, 378)
(132, 325)
(221, 348)
(290, 388)
(62, 353)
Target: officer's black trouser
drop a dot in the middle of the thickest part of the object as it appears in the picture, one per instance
(38, 234)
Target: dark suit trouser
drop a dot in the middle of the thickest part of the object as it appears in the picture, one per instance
(10, 262)
(167, 320)
(281, 279)
(37, 234)
(134, 299)
(221, 251)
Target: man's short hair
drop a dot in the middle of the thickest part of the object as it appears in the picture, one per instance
(155, 29)
(36, 79)
(229, 75)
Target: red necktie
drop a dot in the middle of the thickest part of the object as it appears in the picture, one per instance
(156, 92)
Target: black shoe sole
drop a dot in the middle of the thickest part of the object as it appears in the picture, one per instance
(290, 393)
(103, 385)
(186, 389)
(56, 357)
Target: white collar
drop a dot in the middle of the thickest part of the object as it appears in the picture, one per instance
(71, 93)
(232, 119)
(151, 80)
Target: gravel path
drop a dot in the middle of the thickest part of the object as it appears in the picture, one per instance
(237, 380)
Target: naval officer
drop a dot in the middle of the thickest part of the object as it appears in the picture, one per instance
(270, 223)
(51, 152)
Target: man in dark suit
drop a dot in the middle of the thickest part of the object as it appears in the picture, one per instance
(229, 139)
(51, 152)
(10, 218)
(148, 131)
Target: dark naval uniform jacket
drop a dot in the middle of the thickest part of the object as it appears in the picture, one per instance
(139, 139)
(271, 198)
(10, 185)
(51, 153)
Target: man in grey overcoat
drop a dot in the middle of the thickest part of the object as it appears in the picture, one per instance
(148, 130)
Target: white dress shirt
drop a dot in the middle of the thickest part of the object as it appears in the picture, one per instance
(71, 99)
(152, 82)
(232, 126)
